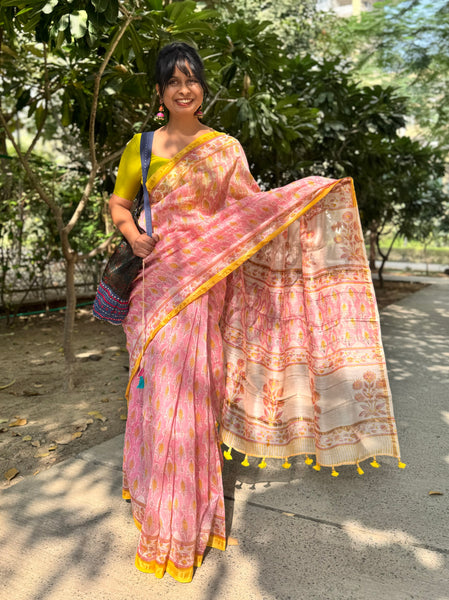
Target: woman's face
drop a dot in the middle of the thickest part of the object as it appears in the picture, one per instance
(183, 94)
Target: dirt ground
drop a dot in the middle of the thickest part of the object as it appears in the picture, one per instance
(40, 422)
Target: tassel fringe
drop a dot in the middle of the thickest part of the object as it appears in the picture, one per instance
(245, 462)
(374, 463)
(227, 453)
(262, 464)
(286, 464)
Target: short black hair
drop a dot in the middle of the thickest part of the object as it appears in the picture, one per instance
(181, 55)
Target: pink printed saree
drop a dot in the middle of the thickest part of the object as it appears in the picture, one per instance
(255, 312)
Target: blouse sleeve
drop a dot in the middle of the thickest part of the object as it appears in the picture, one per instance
(129, 175)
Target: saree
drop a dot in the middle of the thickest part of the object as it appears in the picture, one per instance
(253, 323)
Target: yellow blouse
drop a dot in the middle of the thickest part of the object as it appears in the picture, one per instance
(129, 175)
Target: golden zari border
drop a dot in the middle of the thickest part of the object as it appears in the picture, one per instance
(232, 267)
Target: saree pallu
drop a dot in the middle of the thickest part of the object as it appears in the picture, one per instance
(256, 311)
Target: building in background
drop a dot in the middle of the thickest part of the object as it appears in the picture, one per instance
(345, 8)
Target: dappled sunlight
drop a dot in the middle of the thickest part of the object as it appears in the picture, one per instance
(364, 536)
(445, 416)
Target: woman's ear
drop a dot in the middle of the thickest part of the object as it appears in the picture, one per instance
(158, 90)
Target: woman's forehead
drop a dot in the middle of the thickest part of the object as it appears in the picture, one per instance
(182, 68)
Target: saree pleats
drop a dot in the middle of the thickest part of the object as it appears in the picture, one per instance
(256, 312)
(172, 459)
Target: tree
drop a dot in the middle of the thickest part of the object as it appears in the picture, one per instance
(89, 60)
(405, 42)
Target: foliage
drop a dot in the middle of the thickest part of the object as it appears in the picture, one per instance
(405, 42)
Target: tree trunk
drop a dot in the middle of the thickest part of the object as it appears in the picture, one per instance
(69, 324)
(372, 246)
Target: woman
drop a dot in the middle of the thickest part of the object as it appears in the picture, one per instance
(253, 322)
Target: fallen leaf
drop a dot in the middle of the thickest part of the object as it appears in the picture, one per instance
(435, 493)
(98, 415)
(10, 474)
(76, 435)
(38, 385)
(36, 443)
(63, 439)
(36, 472)
(103, 428)
(18, 423)
(42, 454)
(4, 420)
(105, 400)
(3, 387)
(3, 429)
(123, 417)
(15, 433)
(27, 438)
(52, 448)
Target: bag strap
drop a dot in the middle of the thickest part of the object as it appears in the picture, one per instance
(146, 144)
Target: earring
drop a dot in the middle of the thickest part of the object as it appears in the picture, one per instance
(160, 115)
(199, 113)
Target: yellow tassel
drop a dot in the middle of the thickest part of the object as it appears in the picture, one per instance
(334, 473)
(308, 461)
(401, 465)
(262, 464)
(360, 471)
(317, 467)
(227, 454)
(374, 463)
(286, 464)
(245, 463)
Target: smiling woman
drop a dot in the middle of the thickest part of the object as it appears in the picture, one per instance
(254, 311)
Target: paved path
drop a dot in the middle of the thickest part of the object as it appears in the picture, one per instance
(303, 535)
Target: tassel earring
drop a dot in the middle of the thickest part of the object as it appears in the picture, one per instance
(199, 113)
(160, 115)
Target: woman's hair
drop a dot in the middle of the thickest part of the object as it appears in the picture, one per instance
(181, 55)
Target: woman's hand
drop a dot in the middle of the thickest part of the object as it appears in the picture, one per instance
(143, 245)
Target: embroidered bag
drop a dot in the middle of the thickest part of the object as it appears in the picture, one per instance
(111, 302)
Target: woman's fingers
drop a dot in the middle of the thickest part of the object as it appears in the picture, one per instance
(144, 245)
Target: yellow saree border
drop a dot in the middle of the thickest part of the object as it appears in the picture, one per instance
(232, 267)
(168, 166)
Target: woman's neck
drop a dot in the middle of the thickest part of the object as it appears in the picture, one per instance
(183, 127)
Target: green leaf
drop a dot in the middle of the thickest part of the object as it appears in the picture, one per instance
(111, 12)
(100, 5)
(64, 23)
(48, 8)
(66, 116)
(40, 116)
(78, 24)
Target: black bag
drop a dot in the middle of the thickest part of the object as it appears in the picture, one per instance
(111, 302)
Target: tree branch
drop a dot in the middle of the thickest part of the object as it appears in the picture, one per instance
(93, 113)
(98, 76)
(56, 210)
(99, 249)
(46, 100)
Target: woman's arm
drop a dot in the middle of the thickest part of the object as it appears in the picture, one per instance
(142, 244)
